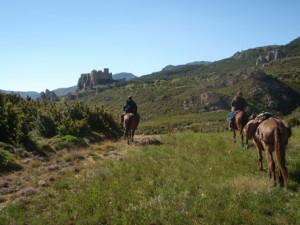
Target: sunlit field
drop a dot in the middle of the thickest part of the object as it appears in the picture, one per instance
(190, 178)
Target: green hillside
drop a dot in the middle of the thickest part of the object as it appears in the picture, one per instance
(193, 89)
(65, 158)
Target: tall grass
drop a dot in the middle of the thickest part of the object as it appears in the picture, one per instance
(192, 178)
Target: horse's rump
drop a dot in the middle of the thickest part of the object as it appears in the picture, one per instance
(131, 121)
(240, 120)
(265, 130)
(250, 128)
(273, 135)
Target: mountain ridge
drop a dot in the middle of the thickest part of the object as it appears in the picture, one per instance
(273, 86)
(239, 60)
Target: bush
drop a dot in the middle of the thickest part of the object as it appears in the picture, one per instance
(77, 128)
(294, 122)
(45, 126)
(8, 161)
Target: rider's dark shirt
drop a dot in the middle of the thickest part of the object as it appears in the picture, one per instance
(239, 103)
(130, 106)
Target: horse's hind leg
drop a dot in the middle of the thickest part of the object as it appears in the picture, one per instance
(260, 165)
(281, 177)
(128, 136)
(132, 134)
(247, 143)
(242, 138)
(234, 136)
(271, 165)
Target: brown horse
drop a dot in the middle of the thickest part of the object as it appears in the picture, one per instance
(269, 135)
(239, 122)
(131, 122)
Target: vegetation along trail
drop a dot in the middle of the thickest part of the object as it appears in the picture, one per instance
(182, 178)
(61, 161)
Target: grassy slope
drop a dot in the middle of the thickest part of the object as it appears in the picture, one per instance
(172, 93)
(192, 178)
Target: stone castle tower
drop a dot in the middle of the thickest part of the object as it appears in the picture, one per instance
(94, 77)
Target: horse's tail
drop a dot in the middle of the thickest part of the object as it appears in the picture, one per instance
(244, 119)
(129, 121)
(280, 154)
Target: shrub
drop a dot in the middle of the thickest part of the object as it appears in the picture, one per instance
(77, 128)
(8, 161)
(294, 122)
(45, 126)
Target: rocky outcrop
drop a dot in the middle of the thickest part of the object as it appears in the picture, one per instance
(211, 101)
(209, 98)
(271, 55)
(49, 96)
(240, 55)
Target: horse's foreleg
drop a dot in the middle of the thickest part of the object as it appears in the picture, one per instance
(242, 139)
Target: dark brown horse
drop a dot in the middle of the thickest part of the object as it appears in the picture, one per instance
(270, 135)
(131, 122)
(238, 124)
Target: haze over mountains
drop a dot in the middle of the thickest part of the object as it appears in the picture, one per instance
(64, 91)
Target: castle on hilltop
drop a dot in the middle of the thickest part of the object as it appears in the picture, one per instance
(88, 80)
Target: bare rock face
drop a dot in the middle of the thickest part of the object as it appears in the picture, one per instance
(49, 96)
(271, 55)
(260, 60)
(279, 54)
(210, 99)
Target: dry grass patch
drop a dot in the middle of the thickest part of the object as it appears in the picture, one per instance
(250, 184)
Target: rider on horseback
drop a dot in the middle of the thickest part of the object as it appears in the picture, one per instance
(129, 107)
(238, 104)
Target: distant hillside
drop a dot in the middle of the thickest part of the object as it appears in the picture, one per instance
(196, 63)
(35, 95)
(272, 86)
(64, 91)
(23, 94)
(126, 76)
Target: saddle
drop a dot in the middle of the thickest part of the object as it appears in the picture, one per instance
(264, 116)
(231, 115)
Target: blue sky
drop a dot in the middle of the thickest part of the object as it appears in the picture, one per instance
(47, 44)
